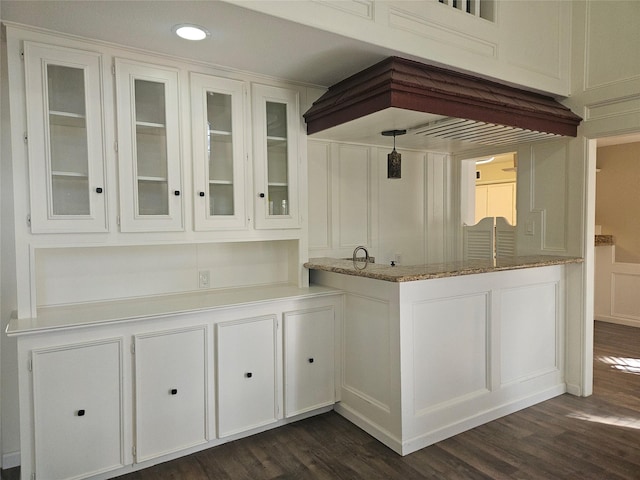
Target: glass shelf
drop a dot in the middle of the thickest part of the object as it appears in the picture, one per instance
(67, 119)
(221, 133)
(151, 179)
(69, 174)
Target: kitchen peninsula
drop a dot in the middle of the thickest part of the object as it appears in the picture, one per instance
(429, 351)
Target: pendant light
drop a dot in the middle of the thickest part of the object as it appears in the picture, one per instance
(394, 159)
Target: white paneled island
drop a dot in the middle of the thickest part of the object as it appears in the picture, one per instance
(430, 351)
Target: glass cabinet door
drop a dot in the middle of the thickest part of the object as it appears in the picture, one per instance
(277, 156)
(276, 123)
(148, 147)
(217, 107)
(151, 148)
(66, 157)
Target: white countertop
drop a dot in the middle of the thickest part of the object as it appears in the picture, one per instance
(124, 310)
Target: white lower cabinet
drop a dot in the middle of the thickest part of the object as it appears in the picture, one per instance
(246, 370)
(170, 391)
(77, 409)
(309, 378)
(105, 399)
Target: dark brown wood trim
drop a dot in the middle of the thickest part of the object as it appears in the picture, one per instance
(401, 83)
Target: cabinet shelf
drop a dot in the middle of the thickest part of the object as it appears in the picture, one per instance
(151, 179)
(67, 119)
(149, 128)
(69, 174)
(276, 141)
(220, 182)
(220, 133)
(59, 113)
(278, 184)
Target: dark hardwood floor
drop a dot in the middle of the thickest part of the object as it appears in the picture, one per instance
(567, 437)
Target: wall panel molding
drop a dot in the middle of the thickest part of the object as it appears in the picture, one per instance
(423, 27)
(320, 195)
(612, 107)
(360, 8)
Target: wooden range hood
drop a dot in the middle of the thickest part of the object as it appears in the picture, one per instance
(473, 109)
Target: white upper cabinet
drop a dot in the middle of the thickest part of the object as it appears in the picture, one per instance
(218, 125)
(65, 139)
(275, 144)
(148, 147)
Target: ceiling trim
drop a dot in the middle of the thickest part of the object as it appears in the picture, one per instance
(401, 83)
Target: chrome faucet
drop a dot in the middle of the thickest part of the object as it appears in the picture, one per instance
(366, 253)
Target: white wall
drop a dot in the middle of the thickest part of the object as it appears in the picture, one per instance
(605, 91)
(352, 203)
(617, 196)
(527, 44)
(76, 274)
(10, 431)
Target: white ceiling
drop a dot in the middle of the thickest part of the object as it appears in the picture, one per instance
(241, 39)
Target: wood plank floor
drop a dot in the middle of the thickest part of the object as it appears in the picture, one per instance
(563, 438)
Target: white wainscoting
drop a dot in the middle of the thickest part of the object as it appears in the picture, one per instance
(428, 359)
(616, 289)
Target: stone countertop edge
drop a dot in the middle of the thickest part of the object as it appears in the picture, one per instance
(604, 240)
(410, 273)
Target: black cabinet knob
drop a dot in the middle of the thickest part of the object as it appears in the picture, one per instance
(99, 190)
(311, 360)
(80, 413)
(173, 391)
(201, 194)
(261, 195)
(176, 193)
(248, 374)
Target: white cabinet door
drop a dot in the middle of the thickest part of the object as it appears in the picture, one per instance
(77, 408)
(149, 155)
(170, 391)
(246, 366)
(276, 123)
(217, 109)
(309, 377)
(65, 143)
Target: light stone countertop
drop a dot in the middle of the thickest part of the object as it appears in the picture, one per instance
(604, 240)
(409, 273)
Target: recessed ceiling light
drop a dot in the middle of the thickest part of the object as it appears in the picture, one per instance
(190, 32)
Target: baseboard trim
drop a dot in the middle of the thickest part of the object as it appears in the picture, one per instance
(410, 445)
(629, 322)
(10, 460)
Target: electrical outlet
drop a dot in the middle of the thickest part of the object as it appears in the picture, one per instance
(204, 279)
(530, 228)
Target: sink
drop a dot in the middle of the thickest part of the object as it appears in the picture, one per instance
(360, 259)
